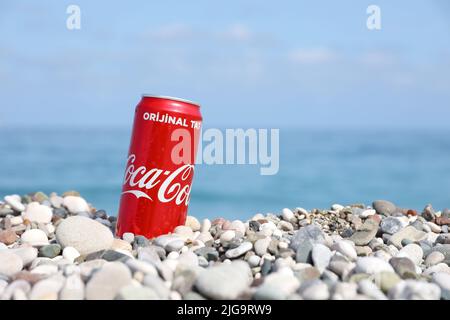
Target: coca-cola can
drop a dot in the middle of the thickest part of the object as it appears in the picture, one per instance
(160, 166)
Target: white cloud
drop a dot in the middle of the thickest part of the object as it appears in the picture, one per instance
(312, 55)
(239, 32)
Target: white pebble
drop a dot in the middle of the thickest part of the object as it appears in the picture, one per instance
(70, 253)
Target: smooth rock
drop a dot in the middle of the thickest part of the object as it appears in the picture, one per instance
(314, 290)
(372, 265)
(131, 292)
(311, 233)
(15, 203)
(228, 235)
(8, 236)
(442, 279)
(366, 233)
(346, 248)
(413, 252)
(434, 258)
(261, 246)
(47, 289)
(84, 234)
(384, 207)
(75, 204)
(287, 214)
(371, 290)
(10, 263)
(321, 256)
(73, 288)
(50, 250)
(239, 251)
(39, 213)
(34, 237)
(277, 286)
(193, 223)
(391, 225)
(70, 253)
(404, 267)
(415, 290)
(225, 281)
(128, 237)
(409, 233)
(107, 282)
(26, 253)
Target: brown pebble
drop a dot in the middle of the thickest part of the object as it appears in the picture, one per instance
(28, 276)
(442, 221)
(8, 237)
(411, 212)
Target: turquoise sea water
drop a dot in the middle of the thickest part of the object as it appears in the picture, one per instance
(317, 168)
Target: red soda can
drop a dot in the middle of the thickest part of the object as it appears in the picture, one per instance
(160, 166)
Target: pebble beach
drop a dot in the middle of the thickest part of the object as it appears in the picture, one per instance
(60, 247)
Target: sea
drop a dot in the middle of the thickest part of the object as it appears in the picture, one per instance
(317, 168)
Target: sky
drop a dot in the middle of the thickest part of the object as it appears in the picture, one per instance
(248, 63)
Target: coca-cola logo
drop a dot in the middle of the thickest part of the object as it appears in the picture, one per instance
(169, 183)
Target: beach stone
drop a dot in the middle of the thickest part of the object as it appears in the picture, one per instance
(434, 258)
(287, 214)
(128, 237)
(415, 290)
(239, 251)
(26, 253)
(84, 234)
(404, 267)
(442, 279)
(75, 204)
(372, 265)
(141, 266)
(428, 213)
(70, 253)
(413, 252)
(408, 233)
(15, 203)
(47, 289)
(261, 246)
(50, 251)
(73, 288)
(39, 213)
(34, 237)
(310, 233)
(346, 248)
(307, 274)
(209, 253)
(230, 280)
(132, 292)
(314, 290)
(158, 286)
(321, 256)
(107, 282)
(384, 207)
(8, 236)
(371, 290)
(386, 280)
(391, 225)
(253, 261)
(366, 233)
(193, 223)
(119, 244)
(10, 263)
(140, 241)
(344, 291)
(174, 245)
(227, 236)
(277, 286)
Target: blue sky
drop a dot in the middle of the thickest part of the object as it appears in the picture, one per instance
(249, 63)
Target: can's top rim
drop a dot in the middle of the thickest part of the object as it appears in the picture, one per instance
(145, 95)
